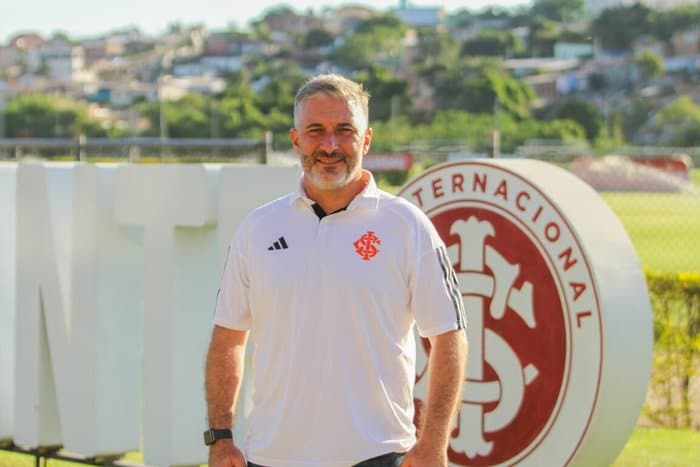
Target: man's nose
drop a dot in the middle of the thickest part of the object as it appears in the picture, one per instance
(329, 142)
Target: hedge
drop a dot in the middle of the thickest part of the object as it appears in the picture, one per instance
(675, 300)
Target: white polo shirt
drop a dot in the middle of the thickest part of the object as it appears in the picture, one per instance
(330, 305)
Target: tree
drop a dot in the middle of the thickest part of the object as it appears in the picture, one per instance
(649, 64)
(317, 37)
(376, 40)
(597, 82)
(281, 81)
(543, 34)
(379, 22)
(389, 93)
(492, 42)
(480, 88)
(47, 116)
(462, 18)
(561, 11)
(583, 113)
(679, 122)
(498, 13)
(276, 99)
(188, 117)
(277, 11)
(667, 22)
(608, 26)
(435, 46)
(241, 118)
(472, 129)
(635, 115)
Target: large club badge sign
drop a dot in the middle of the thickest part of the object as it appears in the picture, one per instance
(559, 317)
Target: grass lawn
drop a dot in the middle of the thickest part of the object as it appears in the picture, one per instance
(647, 447)
(654, 447)
(12, 459)
(664, 227)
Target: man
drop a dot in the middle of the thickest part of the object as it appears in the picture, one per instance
(329, 281)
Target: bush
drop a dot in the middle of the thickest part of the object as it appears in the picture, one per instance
(675, 299)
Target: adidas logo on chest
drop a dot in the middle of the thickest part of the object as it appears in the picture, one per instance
(279, 244)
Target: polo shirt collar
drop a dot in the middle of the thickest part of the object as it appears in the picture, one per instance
(368, 198)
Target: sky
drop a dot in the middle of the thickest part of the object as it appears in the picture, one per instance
(85, 18)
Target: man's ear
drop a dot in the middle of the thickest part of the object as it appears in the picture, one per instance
(294, 137)
(367, 140)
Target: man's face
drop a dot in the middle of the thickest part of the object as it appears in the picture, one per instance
(331, 136)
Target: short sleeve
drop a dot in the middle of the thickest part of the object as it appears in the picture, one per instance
(232, 308)
(436, 299)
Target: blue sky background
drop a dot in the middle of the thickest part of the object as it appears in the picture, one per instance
(84, 18)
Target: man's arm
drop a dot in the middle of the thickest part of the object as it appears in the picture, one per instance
(446, 373)
(224, 373)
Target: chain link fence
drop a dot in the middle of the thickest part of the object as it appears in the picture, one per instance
(654, 191)
(139, 149)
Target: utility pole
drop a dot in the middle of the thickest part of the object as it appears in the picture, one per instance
(3, 126)
(495, 144)
(395, 109)
(162, 119)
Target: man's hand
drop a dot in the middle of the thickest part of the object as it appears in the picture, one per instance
(224, 453)
(419, 456)
(446, 373)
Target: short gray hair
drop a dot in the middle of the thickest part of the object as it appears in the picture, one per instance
(336, 86)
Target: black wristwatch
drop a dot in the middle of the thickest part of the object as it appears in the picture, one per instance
(212, 435)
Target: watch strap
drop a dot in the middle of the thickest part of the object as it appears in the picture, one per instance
(212, 435)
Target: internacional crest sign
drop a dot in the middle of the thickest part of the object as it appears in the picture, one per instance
(559, 330)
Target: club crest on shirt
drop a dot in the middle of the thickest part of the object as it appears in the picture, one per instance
(366, 245)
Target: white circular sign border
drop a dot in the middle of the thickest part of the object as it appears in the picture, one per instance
(566, 401)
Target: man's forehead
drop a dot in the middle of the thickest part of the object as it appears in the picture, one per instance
(318, 108)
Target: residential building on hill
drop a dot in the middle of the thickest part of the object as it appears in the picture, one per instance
(593, 7)
(345, 18)
(421, 16)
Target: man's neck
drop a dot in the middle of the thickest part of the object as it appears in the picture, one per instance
(334, 200)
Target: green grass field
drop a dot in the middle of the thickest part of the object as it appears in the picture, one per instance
(653, 447)
(647, 447)
(664, 227)
(12, 459)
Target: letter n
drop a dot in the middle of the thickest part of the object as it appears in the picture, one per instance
(77, 352)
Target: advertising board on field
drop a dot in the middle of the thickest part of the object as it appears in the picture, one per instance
(391, 162)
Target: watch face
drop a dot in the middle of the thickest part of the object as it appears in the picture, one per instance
(209, 437)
